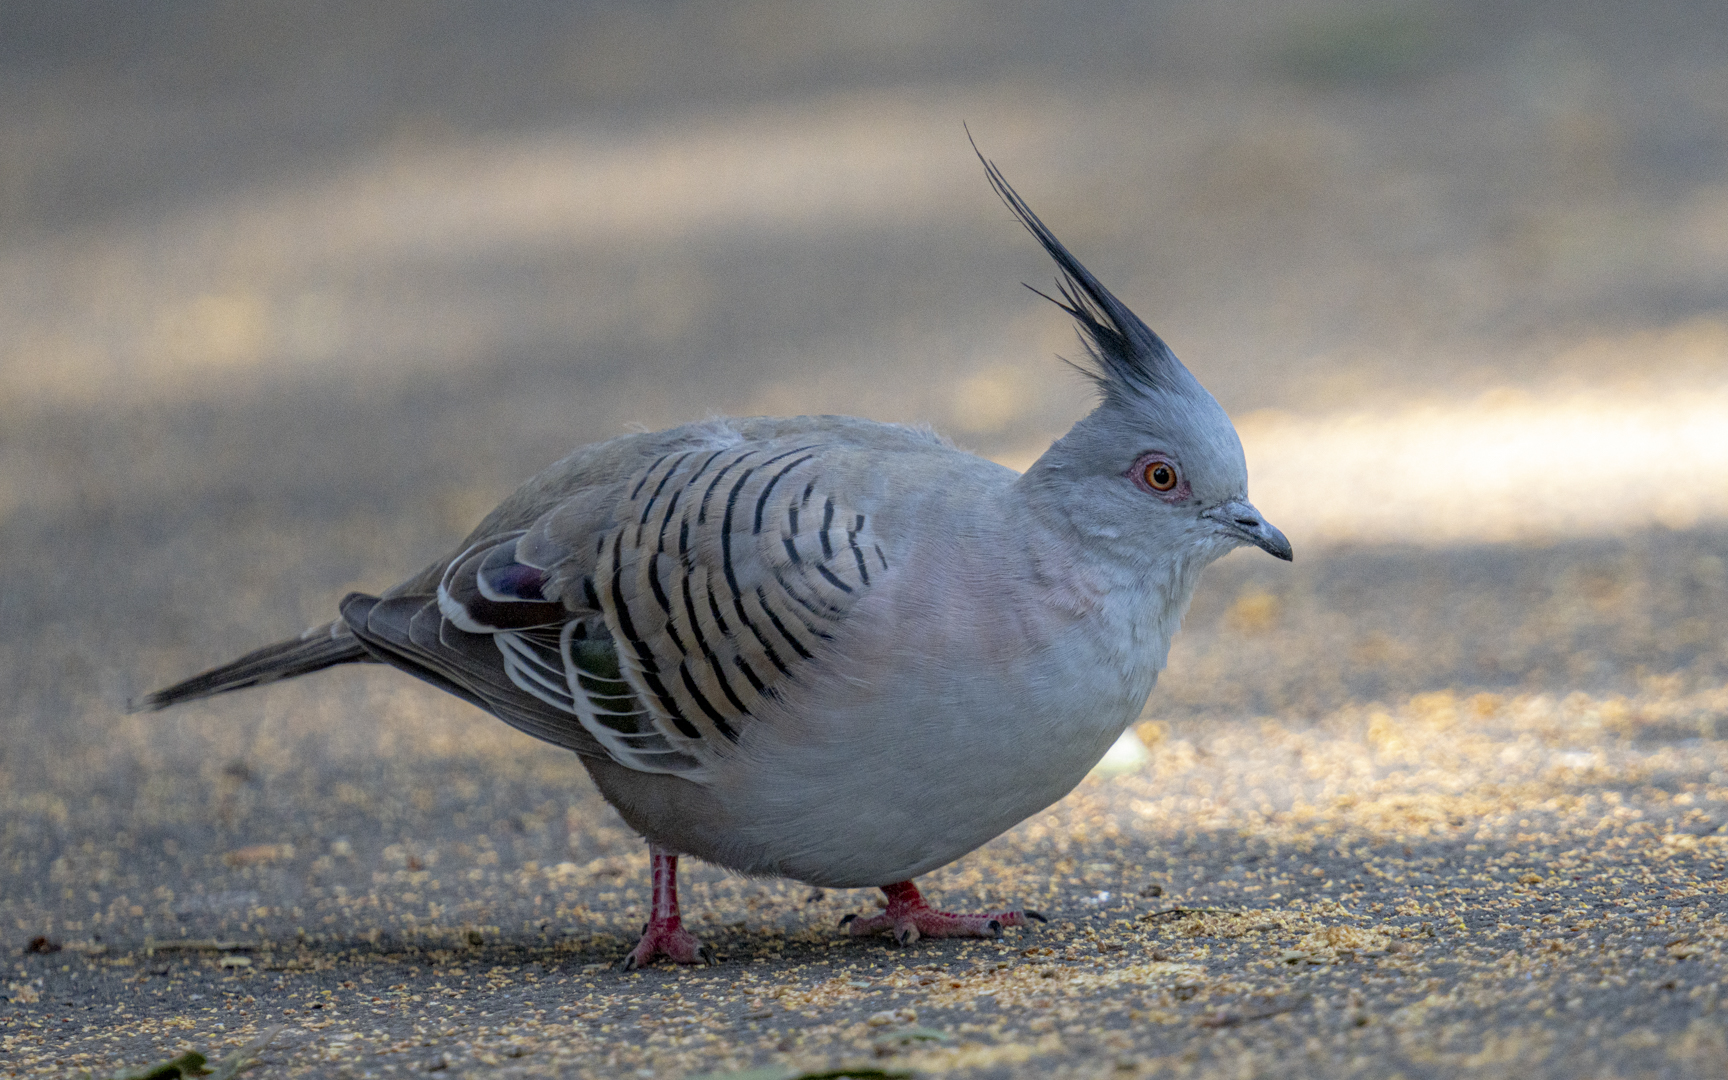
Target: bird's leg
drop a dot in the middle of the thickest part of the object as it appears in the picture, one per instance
(910, 917)
(664, 934)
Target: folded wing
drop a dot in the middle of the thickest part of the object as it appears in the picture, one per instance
(650, 624)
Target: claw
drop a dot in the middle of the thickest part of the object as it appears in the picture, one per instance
(1030, 914)
(995, 927)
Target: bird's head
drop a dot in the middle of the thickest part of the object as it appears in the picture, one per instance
(1156, 469)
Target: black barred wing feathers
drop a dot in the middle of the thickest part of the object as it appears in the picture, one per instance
(650, 628)
(731, 572)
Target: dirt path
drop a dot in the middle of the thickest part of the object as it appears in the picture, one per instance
(291, 299)
(1444, 887)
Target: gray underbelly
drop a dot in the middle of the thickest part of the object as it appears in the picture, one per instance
(868, 816)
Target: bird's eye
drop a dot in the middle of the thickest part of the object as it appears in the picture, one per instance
(1154, 473)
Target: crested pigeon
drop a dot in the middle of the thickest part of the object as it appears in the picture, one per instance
(825, 648)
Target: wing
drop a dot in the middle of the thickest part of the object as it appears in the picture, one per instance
(491, 635)
(729, 575)
(647, 621)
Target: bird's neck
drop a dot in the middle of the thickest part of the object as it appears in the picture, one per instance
(1107, 591)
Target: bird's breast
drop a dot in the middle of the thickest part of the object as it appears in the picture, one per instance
(955, 702)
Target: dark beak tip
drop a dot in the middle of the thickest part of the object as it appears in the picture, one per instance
(1278, 551)
(1275, 544)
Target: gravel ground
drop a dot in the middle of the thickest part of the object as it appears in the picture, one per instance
(1428, 883)
(293, 293)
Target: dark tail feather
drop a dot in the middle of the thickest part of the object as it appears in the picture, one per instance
(318, 648)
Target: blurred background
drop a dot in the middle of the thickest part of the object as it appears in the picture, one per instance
(291, 293)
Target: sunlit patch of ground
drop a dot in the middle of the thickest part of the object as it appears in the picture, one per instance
(1533, 463)
(241, 283)
(1509, 466)
(1634, 438)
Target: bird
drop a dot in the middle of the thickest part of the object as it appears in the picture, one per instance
(826, 648)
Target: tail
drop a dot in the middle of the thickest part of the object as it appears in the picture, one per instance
(316, 649)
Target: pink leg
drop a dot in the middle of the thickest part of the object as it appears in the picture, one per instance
(664, 935)
(910, 917)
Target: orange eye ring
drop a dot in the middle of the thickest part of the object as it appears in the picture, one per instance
(1159, 475)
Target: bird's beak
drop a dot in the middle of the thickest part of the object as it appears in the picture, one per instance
(1239, 520)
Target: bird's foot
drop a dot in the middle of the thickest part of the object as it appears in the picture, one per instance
(668, 938)
(910, 917)
(664, 933)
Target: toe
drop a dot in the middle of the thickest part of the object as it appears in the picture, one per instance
(674, 943)
(684, 948)
(867, 925)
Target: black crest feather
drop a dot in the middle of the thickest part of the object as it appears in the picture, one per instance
(1126, 354)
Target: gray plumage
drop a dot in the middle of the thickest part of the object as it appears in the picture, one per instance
(822, 647)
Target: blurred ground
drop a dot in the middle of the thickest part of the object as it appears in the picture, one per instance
(291, 294)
